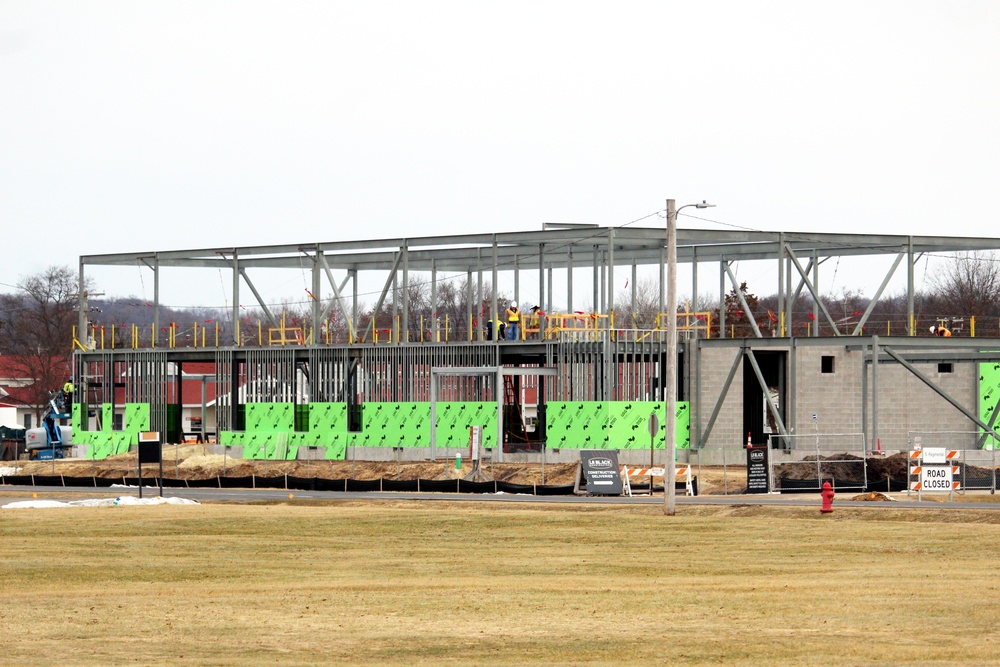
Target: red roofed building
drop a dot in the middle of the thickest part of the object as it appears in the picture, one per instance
(25, 383)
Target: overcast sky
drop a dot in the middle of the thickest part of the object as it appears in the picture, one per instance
(133, 126)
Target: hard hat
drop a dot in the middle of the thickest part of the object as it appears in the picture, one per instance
(933, 329)
(513, 304)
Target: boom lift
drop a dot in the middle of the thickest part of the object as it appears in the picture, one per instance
(50, 439)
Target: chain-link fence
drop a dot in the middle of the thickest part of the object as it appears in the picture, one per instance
(805, 462)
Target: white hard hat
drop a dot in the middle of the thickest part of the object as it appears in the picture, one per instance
(933, 329)
(513, 304)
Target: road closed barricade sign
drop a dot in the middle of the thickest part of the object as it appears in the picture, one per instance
(932, 469)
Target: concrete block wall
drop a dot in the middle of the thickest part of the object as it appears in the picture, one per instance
(727, 432)
(835, 398)
(906, 404)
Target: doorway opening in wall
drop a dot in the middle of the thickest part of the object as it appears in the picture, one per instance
(524, 411)
(758, 419)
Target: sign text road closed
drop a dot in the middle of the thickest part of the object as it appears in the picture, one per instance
(936, 478)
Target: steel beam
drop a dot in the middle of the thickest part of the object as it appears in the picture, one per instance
(940, 392)
(743, 301)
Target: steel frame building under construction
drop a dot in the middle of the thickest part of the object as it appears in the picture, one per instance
(588, 382)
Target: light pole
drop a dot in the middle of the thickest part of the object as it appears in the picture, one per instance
(670, 479)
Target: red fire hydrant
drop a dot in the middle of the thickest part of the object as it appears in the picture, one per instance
(827, 495)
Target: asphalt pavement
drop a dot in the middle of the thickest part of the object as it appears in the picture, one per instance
(203, 495)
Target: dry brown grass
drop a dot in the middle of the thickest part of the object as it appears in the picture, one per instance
(467, 583)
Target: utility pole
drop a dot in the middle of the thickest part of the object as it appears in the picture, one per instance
(83, 321)
(670, 398)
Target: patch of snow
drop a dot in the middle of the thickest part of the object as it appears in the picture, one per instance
(99, 502)
(6, 471)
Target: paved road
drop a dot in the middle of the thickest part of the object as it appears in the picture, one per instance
(256, 495)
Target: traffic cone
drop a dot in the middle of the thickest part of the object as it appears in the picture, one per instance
(749, 444)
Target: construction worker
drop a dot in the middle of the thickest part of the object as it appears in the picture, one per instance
(67, 396)
(940, 331)
(513, 322)
(501, 332)
(534, 319)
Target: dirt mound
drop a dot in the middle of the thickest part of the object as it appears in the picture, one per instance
(194, 462)
(873, 496)
(893, 467)
(848, 468)
(841, 467)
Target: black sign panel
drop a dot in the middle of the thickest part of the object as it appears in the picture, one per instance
(757, 477)
(600, 470)
(149, 452)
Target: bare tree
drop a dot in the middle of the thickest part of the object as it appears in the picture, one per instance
(968, 285)
(38, 330)
(647, 306)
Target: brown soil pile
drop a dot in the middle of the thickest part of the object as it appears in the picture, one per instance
(194, 462)
(872, 496)
(849, 468)
(844, 468)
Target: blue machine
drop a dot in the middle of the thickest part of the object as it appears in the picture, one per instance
(49, 441)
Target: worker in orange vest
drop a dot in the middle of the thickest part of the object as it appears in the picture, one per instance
(534, 321)
(940, 331)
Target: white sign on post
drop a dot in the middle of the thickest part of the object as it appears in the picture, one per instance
(475, 441)
(934, 455)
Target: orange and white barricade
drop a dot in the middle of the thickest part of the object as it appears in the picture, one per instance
(681, 470)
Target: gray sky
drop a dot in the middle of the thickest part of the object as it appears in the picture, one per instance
(131, 126)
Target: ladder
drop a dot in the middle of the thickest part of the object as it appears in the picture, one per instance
(513, 427)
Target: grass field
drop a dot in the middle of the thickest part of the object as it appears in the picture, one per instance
(469, 584)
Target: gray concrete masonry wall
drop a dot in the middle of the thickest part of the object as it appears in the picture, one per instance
(906, 405)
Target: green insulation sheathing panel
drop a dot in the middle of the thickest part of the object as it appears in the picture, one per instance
(612, 424)
(573, 425)
(270, 417)
(136, 418)
(107, 417)
(328, 428)
(408, 424)
(989, 397)
(103, 445)
(270, 432)
(455, 419)
(383, 425)
(106, 442)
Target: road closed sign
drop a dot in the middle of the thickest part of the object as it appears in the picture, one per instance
(936, 478)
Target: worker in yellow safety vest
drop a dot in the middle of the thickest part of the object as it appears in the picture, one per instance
(513, 322)
(67, 396)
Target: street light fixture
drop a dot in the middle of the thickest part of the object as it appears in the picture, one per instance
(670, 444)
